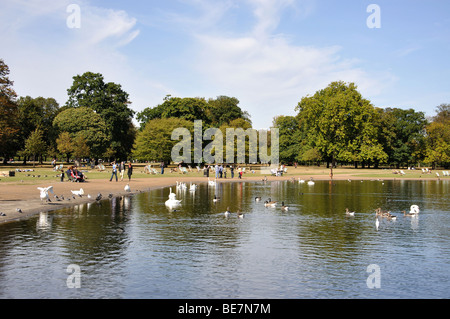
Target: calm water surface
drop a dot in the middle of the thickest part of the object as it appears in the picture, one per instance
(134, 247)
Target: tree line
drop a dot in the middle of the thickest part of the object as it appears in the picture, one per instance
(335, 125)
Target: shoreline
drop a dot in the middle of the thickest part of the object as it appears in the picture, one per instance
(26, 197)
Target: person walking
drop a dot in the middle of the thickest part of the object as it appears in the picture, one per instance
(232, 171)
(114, 171)
(130, 171)
(122, 170)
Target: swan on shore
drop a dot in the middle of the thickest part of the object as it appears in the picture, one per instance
(44, 193)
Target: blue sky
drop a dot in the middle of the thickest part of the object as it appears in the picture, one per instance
(266, 53)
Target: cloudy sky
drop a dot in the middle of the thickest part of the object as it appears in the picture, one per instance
(266, 53)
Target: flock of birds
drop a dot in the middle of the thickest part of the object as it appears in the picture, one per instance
(174, 203)
(44, 195)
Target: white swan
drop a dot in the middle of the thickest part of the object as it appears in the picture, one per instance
(44, 193)
(211, 183)
(172, 201)
(127, 188)
(311, 182)
(181, 186)
(414, 209)
(301, 181)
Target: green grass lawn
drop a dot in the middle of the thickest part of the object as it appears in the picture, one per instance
(45, 172)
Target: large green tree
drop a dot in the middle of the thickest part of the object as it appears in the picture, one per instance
(212, 113)
(85, 122)
(111, 102)
(35, 144)
(289, 132)
(341, 123)
(9, 126)
(402, 134)
(37, 113)
(154, 142)
(438, 138)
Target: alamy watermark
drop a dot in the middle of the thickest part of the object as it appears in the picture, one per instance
(74, 279)
(374, 19)
(73, 21)
(374, 279)
(257, 150)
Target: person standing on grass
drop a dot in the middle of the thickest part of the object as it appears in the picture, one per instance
(130, 171)
(114, 171)
(122, 170)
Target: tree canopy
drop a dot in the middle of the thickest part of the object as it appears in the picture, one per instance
(85, 122)
(341, 124)
(111, 102)
(9, 126)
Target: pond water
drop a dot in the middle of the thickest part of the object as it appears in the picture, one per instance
(134, 247)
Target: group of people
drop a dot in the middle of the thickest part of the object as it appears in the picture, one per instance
(221, 171)
(121, 167)
(73, 174)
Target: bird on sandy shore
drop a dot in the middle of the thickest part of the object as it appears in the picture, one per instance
(99, 197)
(2, 214)
(44, 193)
(127, 188)
(110, 195)
(19, 210)
(79, 192)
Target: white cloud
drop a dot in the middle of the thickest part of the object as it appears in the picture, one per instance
(268, 73)
(44, 54)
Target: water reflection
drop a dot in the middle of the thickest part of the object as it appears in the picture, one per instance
(134, 247)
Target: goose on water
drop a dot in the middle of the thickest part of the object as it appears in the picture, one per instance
(270, 203)
(283, 207)
(349, 213)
